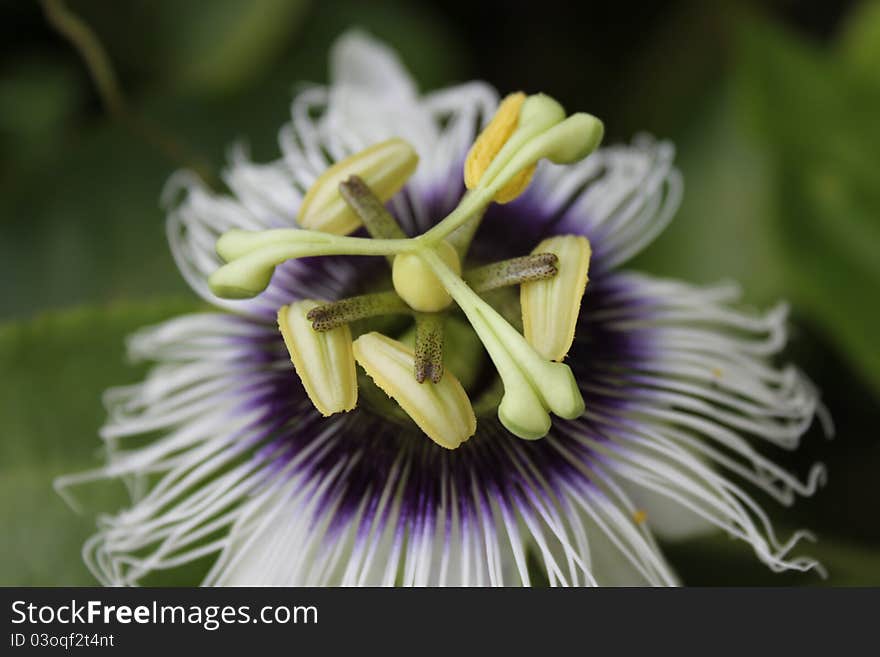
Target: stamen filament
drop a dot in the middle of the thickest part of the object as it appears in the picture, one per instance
(515, 271)
(544, 132)
(234, 244)
(462, 237)
(472, 204)
(253, 256)
(429, 347)
(334, 314)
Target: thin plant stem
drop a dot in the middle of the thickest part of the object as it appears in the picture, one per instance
(83, 38)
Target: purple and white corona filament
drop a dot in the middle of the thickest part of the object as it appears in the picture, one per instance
(534, 425)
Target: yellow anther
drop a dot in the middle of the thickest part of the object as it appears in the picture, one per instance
(639, 516)
(417, 284)
(441, 410)
(324, 361)
(550, 307)
(489, 144)
(384, 167)
(516, 186)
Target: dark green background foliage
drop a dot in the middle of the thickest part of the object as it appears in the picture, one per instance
(774, 108)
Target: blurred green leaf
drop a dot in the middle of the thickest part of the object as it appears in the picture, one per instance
(860, 41)
(429, 48)
(665, 70)
(55, 369)
(38, 97)
(721, 231)
(823, 141)
(211, 47)
(196, 47)
(219, 45)
(85, 226)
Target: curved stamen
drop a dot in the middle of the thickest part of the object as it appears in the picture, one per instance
(542, 132)
(256, 254)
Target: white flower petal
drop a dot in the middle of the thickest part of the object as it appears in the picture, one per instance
(365, 63)
(619, 197)
(668, 519)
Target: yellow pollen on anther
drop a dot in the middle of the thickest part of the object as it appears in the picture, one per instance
(324, 360)
(489, 144)
(550, 307)
(384, 167)
(639, 516)
(441, 410)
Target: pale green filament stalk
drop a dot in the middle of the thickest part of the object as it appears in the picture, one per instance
(461, 238)
(234, 244)
(253, 256)
(562, 142)
(471, 205)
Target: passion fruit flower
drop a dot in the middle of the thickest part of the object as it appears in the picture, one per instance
(467, 391)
